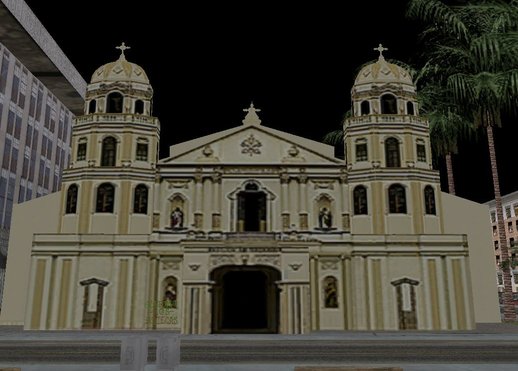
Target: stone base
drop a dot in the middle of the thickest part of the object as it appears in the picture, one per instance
(348, 368)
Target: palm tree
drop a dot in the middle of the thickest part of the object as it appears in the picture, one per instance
(477, 57)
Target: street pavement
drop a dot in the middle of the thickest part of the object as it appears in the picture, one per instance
(491, 347)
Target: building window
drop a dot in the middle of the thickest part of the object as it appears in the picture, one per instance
(108, 151)
(397, 199)
(494, 230)
(105, 198)
(508, 212)
(388, 104)
(142, 149)
(500, 278)
(421, 151)
(361, 150)
(496, 245)
(71, 200)
(81, 150)
(360, 200)
(139, 107)
(392, 152)
(365, 108)
(140, 199)
(493, 217)
(511, 242)
(429, 200)
(114, 103)
(92, 106)
(410, 108)
(510, 226)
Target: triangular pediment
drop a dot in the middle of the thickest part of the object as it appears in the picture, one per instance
(251, 144)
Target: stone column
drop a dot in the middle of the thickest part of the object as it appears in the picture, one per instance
(196, 308)
(344, 200)
(198, 214)
(315, 307)
(303, 197)
(216, 201)
(285, 212)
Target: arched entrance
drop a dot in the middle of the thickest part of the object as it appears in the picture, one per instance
(245, 299)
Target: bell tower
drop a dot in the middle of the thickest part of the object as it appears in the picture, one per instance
(392, 185)
(108, 187)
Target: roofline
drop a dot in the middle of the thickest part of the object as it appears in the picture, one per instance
(505, 198)
(25, 36)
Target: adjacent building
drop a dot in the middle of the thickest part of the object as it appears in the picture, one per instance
(40, 91)
(510, 213)
(251, 229)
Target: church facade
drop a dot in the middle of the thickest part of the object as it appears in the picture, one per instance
(250, 229)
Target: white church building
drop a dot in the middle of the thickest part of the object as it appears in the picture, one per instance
(251, 229)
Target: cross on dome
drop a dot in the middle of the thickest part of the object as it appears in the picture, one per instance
(381, 49)
(122, 48)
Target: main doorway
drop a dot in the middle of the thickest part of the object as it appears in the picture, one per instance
(245, 299)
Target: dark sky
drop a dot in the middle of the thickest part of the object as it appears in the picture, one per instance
(296, 63)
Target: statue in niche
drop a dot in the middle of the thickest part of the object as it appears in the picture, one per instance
(330, 293)
(177, 218)
(325, 218)
(169, 300)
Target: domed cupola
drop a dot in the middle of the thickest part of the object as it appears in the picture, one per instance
(119, 87)
(383, 88)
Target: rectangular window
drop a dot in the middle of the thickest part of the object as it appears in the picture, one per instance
(10, 122)
(3, 73)
(500, 279)
(496, 245)
(14, 160)
(511, 242)
(494, 230)
(142, 151)
(41, 172)
(361, 152)
(508, 212)
(43, 148)
(21, 194)
(81, 152)
(32, 167)
(25, 168)
(32, 106)
(28, 136)
(49, 149)
(46, 178)
(18, 127)
(510, 226)
(15, 88)
(421, 152)
(7, 154)
(39, 102)
(493, 217)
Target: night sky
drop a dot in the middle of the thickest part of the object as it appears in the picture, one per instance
(296, 63)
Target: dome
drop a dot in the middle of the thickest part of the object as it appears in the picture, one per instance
(383, 72)
(120, 70)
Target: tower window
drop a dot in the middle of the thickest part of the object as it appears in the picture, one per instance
(360, 200)
(429, 200)
(105, 198)
(92, 106)
(388, 104)
(410, 108)
(361, 150)
(392, 156)
(108, 152)
(81, 150)
(140, 199)
(421, 151)
(142, 150)
(397, 199)
(365, 108)
(139, 107)
(71, 200)
(114, 103)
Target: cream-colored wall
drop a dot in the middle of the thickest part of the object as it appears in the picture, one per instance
(464, 216)
(40, 215)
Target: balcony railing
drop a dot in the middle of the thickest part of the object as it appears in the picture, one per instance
(115, 117)
(386, 119)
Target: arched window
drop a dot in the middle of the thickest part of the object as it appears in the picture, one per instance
(360, 200)
(140, 199)
(410, 108)
(109, 151)
(388, 104)
(429, 200)
(392, 157)
(114, 103)
(92, 106)
(365, 108)
(105, 198)
(397, 199)
(139, 107)
(71, 199)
